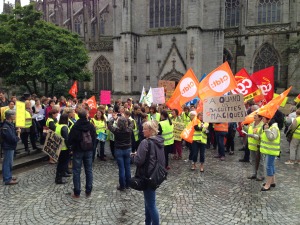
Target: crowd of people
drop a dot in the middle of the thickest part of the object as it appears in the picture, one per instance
(127, 127)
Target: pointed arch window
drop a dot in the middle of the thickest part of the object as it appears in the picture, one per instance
(232, 13)
(269, 11)
(103, 74)
(164, 13)
(267, 56)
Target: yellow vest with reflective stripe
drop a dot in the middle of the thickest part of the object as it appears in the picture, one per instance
(201, 135)
(58, 132)
(28, 123)
(270, 147)
(156, 117)
(71, 123)
(135, 129)
(100, 125)
(185, 118)
(167, 132)
(253, 143)
(48, 121)
(296, 134)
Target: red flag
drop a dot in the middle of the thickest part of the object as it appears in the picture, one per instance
(74, 89)
(185, 91)
(246, 86)
(92, 102)
(217, 82)
(264, 79)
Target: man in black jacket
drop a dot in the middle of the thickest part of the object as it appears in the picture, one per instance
(81, 153)
(10, 137)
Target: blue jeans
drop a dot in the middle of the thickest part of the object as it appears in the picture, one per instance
(196, 146)
(270, 165)
(123, 160)
(220, 135)
(151, 212)
(87, 158)
(7, 164)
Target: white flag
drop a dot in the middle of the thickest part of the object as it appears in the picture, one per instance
(143, 94)
(148, 99)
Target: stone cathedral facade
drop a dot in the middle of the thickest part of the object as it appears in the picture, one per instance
(135, 43)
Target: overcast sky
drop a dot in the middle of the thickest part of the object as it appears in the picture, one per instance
(23, 2)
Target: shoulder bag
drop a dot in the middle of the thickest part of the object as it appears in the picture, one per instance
(289, 134)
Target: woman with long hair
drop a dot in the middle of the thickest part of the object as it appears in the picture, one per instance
(122, 133)
(154, 144)
(165, 128)
(99, 123)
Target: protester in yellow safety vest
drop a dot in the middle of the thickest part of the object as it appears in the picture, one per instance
(64, 156)
(221, 130)
(100, 125)
(295, 142)
(28, 130)
(270, 147)
(135, 131)
(185, 116)
(177, 144)
(71, 116)
(165, 128)
(153, 115)
(199, 142)
(253, 132)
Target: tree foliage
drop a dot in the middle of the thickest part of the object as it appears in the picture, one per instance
(33, 50)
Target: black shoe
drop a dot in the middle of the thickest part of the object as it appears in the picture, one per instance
(66, 175)
(102, 159)
(272, 185)
(60, 181)
(242, 149)
(243, 160)
(259, 178)
(119, 188)
(252, 177)
(265, 189)
(69, 172)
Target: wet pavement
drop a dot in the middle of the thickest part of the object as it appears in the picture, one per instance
(220, 195)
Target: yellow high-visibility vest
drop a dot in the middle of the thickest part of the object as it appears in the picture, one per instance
(58, 132)
(167, 132)
(253, 143)
(270, 147)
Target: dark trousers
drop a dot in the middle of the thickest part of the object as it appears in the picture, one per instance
(112, 148)
(62, 165)
(24, 138)
(196, 146)
(168, 149)
(247, 152)
(230, 144)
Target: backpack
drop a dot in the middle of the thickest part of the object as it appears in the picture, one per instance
(86, 143)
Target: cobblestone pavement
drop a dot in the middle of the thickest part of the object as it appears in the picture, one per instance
(220, 195)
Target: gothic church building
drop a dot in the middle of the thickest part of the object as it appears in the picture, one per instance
(135, 43)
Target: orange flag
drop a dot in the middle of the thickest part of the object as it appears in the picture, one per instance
(92, 102)
(188, 133)
(74, 89)
(272, 106)
(269, 109)
(185, 91)
(199, 106)
(217, 82)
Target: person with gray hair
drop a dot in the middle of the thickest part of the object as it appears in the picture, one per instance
(10, 137)
(153, 146)
(122, 133)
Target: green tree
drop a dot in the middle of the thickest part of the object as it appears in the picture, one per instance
(34, 51)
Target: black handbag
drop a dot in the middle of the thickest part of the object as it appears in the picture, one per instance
(153, 181)
(289, 134)
(158, 175)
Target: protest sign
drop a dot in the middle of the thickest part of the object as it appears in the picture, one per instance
(158, 95)
(105, 97)
(178, 128)
(20, 114)
(3, 109)
(169, 87)
(226, 109)
(53, 145)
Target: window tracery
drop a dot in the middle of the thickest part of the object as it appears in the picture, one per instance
(103, 74)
